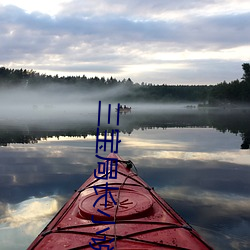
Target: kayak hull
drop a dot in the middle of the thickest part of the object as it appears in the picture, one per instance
(131, 216)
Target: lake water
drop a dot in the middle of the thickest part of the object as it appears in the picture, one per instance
(193, 158)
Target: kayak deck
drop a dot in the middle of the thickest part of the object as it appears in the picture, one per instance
(121, 213)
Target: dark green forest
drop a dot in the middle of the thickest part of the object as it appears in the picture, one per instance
(225, 93)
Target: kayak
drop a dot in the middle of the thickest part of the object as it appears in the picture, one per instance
(116, 209)
(125, 110)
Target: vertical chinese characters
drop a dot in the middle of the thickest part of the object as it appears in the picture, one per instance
(107, 169)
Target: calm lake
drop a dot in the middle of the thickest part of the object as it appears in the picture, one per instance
(198, 160)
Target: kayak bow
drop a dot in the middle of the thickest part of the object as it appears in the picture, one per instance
(135, 215)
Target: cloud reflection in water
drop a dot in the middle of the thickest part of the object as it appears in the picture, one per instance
(28, 217)
(198, 171)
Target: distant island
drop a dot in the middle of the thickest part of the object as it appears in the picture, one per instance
(236, 92)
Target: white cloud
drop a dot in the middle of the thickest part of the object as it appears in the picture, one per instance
(29, 211)
(45, 6)
(156, 41)
(26, 220)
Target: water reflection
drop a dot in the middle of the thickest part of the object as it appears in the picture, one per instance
(20, 222)
(33, 209)
(195, 166)
(233, 121)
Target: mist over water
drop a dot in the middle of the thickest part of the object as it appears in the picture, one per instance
(61, 102)
(191, 156)
(59, 107)
(45, 103)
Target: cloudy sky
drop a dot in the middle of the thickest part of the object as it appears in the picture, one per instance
(157, 41)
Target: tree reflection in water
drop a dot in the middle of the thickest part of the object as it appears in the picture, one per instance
(233, 121)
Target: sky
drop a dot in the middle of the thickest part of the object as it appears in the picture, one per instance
(152, 41)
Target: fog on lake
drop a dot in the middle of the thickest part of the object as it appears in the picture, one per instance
(196, 159)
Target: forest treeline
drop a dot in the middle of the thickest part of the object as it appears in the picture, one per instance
(236, 91)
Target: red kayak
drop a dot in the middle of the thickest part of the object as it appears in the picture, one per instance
(116, 209)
